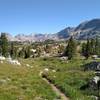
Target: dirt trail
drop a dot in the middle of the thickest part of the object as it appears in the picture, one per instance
(57, 91)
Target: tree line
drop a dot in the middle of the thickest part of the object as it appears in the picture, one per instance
(91, 47)
(10, 48)
(88, 48)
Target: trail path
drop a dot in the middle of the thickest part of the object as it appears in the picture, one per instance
(57, 91)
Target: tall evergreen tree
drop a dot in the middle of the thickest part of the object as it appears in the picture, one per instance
(92, 46)
(88, 49)
(0, 47)
(84, 49)
(21, 53)
(71, 48)
(4, 44)
(97, 46)
(12, 50)
(27, 52)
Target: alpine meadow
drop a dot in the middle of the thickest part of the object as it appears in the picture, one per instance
(43, 59)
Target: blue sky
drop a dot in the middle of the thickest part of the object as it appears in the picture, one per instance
(45, 16)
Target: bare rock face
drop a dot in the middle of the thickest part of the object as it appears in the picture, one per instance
(86, 29)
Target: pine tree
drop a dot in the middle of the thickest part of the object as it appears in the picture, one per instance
(92, 46)
(21, 53)
(4, 44)
(15, 52)
(0, 47)
(97, 47)
(12, 50)
(88, 49)
(84, 49)
(27, 52)
(71, 48)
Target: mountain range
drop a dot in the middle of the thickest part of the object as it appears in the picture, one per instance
(86, 29)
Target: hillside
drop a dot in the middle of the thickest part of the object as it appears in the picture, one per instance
(87, 29)
(65, 33)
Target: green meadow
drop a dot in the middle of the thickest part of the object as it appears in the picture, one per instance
(25, 82)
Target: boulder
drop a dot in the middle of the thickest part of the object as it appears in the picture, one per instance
(2, 58)
(46, 69)
(92, 84)
(63, 58)
(94, 66)
(15, 62)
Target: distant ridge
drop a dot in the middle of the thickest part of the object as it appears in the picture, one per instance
(86, 29)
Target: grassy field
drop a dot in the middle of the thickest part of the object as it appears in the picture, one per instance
(25, 83)
(69, 77)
